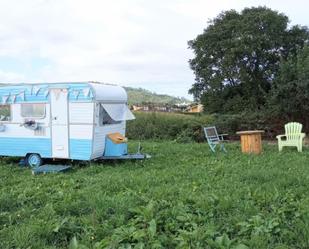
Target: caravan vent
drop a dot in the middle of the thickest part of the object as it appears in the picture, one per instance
(40, 131)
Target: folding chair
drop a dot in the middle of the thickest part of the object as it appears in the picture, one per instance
(214, 139)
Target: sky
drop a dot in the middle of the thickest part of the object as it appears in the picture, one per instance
(137, 43)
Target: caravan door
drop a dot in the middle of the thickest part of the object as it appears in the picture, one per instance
(59, 123)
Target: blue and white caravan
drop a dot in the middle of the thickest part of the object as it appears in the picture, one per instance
(60, 120)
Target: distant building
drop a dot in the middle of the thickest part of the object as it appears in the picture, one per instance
(161, 107)
(197, 108)
(140, 108)
(156, 107)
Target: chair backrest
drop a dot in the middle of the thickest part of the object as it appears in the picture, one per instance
(292, 130)
(211, 134)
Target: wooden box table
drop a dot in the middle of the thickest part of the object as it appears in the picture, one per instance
(251, 141)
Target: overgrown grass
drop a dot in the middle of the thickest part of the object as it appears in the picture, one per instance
(184, 197)
(171, 126)
(187, 127)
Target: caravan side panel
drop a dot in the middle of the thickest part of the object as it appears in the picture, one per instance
(22, 146)
(16, 140)
(81, 130)
(103, 127)
(100, 135)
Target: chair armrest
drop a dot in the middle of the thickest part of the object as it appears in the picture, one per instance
(302, 135)
(280, 136)
(221, 136)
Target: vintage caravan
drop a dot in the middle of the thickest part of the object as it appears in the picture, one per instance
(62, 120)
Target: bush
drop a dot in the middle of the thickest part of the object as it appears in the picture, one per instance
(187, 128)
(231, 123)
(178, 127)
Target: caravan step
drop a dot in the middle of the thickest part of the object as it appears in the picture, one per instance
(49, 168)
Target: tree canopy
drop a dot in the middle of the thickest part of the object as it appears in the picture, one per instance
(237, 58)
(289, 96)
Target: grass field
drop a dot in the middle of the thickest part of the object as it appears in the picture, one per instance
(184, 197)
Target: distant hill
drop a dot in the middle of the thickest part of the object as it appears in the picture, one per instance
(140, 95)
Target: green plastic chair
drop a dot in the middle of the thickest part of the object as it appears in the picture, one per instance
(213, 139)
(293, 136)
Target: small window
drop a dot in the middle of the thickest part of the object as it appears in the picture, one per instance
(105, 118)
(118, 112)
(5, 112)
(33, 110)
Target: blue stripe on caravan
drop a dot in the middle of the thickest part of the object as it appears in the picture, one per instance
(80, 149)
(10, 146)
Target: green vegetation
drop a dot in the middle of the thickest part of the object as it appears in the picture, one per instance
(290, 94)
(172, 126)
(184, 197)
(5, 112)
(187, 127)
(252, 61)
(140, 96)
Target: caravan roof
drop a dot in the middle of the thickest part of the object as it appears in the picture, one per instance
(108, 92)
(78, 91)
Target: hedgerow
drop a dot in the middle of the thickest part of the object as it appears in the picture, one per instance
(187, 128)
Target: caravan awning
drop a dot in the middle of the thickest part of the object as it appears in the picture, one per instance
(118, 112)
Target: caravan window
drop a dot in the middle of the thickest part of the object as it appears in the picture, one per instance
(33, 110)
(5, 112)
(119, 112)
(114, 113)
(105, 118)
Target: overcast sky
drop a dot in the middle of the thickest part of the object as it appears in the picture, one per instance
(135, 43)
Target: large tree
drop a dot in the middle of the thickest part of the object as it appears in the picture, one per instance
(237, 57)
(289, 98)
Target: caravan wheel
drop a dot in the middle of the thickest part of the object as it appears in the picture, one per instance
(34, 160)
